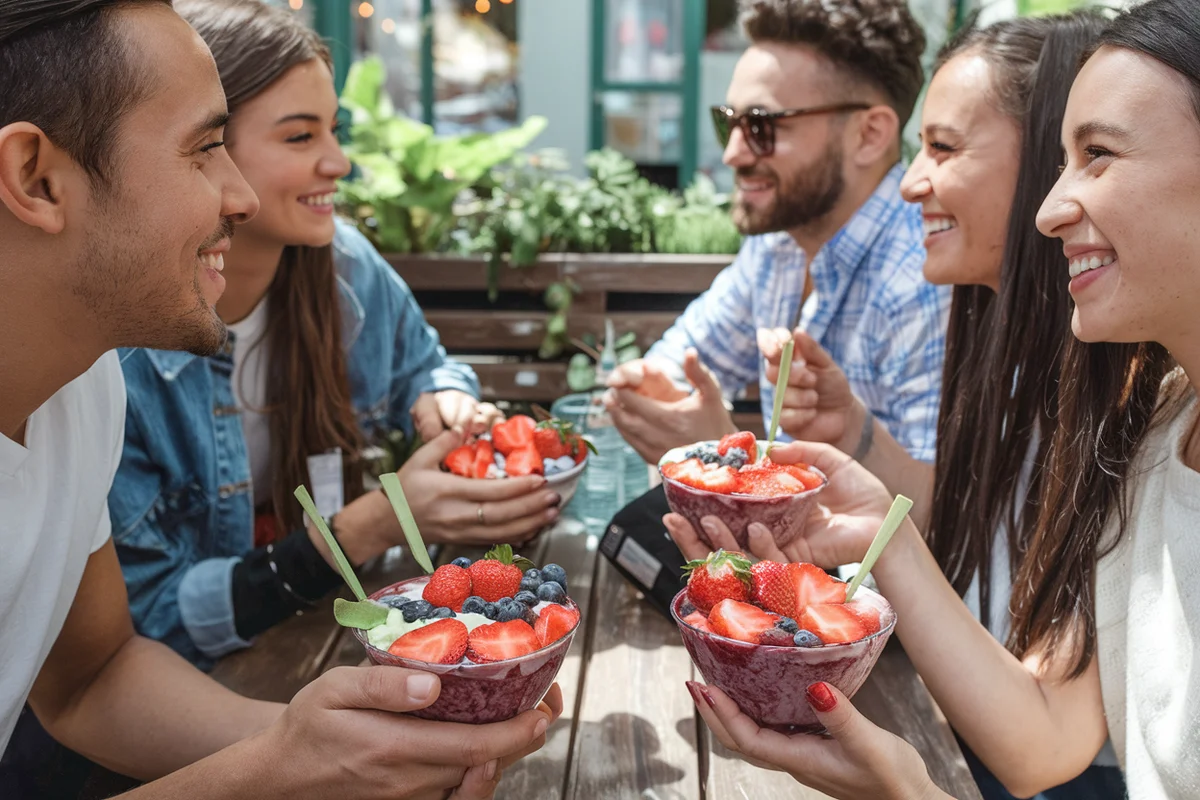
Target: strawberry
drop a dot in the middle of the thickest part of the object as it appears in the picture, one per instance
(697, 620)
(768, 483)
(555, 438)
(835, 623)
(741, 621)
(744, 440)
(555, 622)
(461, 460)
(805, 475)
(771, 587)
(513, 433)
(485, 459)
(441, 642)
(496, 575)
(501, 640)
(814, 587)
(722, 480)
(721, 576)
(524, 461)
(449, 586)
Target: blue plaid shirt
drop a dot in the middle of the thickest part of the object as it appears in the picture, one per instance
(870, 307)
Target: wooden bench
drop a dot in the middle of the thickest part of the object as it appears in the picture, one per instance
(643, 294)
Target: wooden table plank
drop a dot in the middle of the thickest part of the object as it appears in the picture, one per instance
(893, 698)
(636, 735)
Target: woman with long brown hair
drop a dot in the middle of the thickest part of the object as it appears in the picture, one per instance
(327, 353)
(1105, 600)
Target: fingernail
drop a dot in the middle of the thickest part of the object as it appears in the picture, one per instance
(820, 697)
(540, 728)
(420, 686)
(489, 771)
(709, 526)
(553, 498)
(707, 697)
(539, 482)
(552, 514)
(694, 690)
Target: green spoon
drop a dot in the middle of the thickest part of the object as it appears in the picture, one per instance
(785, 369)
(900, 508)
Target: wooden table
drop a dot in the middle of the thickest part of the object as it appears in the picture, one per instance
(630, 729)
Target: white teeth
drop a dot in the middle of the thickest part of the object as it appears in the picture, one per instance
(1078, 266)
(939, 224)
(318, 200)
(748, 186)
(213, 261)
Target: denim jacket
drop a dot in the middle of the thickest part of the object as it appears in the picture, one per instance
(182, 501)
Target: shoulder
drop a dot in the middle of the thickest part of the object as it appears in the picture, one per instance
(98, 395)
(361, 265)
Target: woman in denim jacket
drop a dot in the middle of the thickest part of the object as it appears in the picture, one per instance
(327, 351)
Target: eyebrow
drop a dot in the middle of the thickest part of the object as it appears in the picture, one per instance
(214, 121)
(936, 128)
(1095, 127)
(298, 118)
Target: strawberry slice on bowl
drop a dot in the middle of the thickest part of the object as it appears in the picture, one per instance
(441, 642)
(554, 622)
(500, 641)
(461, 460)
(836, 623)
(741, 621)
(513, 433)
(742, 440)
(812, 586)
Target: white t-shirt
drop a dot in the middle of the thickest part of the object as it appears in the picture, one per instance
(1148, 622)
(54, 514)
(250, 393)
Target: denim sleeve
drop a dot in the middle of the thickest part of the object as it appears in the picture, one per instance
(909, 333)
(174, 598)
(419, 362)
(720, 325)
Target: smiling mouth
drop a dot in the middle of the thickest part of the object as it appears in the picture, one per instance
(938, 225)
(318, 199)
(213, 261)
(1078, 266)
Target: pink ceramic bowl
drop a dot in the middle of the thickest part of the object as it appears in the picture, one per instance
(785, 516)
(768, 682)
(480, 693)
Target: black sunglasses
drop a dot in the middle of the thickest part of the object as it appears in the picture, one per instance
(759, 126)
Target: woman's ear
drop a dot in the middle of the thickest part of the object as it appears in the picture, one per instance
(33, 177)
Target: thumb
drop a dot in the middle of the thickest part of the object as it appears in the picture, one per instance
(434, 451)
(700, 376)
(382, 688)
(843, 721)
(810, 351)
(426, 415)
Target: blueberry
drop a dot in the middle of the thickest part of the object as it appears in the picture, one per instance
(735, 457)
(461, 561)
(553, 572)
(417, 609)
(397, 601)
(442, 612)
(526, 597)
(551, 592)
(490, 610)
(705, 452)
(508, 609)
(473, 605)
(807, 639)
(530, 585)
(787, 624)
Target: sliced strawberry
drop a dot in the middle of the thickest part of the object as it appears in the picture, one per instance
(722, 480)
(485, 459)
(740, 621)
(805, 475)
(834, 623)
(449, 586)
(501, 640)
(814, 587)
(513, 433)
(525, 461)
(772, 588)
(684, 471)
(721, 576)
(441, 642)
(767, 483)
(743, 439)
(697, 620)
(555, 622)
(461, 460)
(869, 614)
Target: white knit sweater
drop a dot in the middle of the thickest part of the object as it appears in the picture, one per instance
(1148, 623)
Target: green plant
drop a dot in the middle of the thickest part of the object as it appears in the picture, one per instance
(404, 195)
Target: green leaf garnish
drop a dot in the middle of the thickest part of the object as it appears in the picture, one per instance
(785, 369)
(524, 564)
(365, 614)
(501, 552)
(395, 494)
(339, 557)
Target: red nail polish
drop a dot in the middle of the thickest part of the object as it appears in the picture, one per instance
(707, 697)
(694, 690)
(820, 697)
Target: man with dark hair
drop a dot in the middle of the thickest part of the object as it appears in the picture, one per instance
(116, 204)
(833, 255)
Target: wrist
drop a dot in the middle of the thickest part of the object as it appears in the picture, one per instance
(899, 557)
(852, 433)
(354, 533)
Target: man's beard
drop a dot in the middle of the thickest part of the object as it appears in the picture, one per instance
(807, 197)
(139, 311)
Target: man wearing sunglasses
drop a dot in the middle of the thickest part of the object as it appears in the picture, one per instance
(811, 128)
